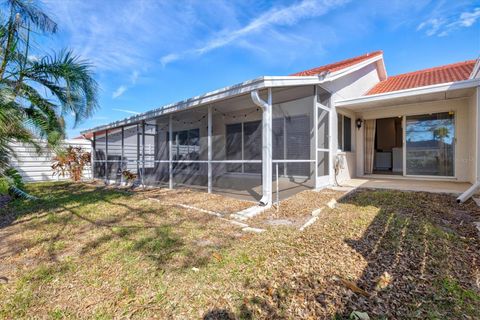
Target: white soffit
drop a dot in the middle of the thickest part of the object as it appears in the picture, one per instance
(442, 91)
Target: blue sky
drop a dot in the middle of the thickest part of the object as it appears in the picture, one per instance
(148, 53)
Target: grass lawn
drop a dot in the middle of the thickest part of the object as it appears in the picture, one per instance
(86, 251)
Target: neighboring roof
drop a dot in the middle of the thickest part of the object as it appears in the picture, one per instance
(338, 65)
(84, 137)
(444, 74)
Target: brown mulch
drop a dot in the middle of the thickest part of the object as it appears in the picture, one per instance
(197, 199)
(441, 209)
(297, 209)
(393, 255)
(390, 254)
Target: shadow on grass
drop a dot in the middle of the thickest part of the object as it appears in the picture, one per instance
(139, 230)
(54, 197)
(422, 254)
(416, 243)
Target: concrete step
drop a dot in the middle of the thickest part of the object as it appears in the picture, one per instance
(248, 213)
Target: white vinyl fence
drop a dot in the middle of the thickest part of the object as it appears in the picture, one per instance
(38, 167)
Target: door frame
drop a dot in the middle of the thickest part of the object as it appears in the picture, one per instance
(404, 140)
(404, 146)
(323, 180)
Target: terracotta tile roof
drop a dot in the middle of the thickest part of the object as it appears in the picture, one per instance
(448, 73)
(89, 135)
(338, 65)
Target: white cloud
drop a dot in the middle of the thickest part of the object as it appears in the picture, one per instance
(467, 19)
(134, 77)
(166, 59)
(120, 90)
(431, 26)
(275, 17)
(115, 35)
(126, 111)
(445, 23)
(33, 57)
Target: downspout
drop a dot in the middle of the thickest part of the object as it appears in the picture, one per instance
(469, 193)
(266, 107)
(258, 101)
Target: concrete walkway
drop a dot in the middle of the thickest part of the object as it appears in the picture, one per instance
(409, 185)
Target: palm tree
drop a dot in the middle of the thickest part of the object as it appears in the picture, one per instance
(37, 93)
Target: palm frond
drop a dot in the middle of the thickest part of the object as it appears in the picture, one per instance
(36, 94)
(22, 194)
(29, 11)
(12, 128)
(69, 79)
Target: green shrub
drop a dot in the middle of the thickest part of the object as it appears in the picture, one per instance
(11, 183)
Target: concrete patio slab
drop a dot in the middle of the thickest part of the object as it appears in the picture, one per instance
(453, 187)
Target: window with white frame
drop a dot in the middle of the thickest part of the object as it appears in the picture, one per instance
(244, 142)
(344, 133)
(290, 141)
(186, 146)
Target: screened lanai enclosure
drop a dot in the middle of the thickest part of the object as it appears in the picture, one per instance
(234, 146)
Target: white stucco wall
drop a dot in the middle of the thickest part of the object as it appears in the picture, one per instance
(473, 139)
(350, 86)
(474, 135)
(354, 84)
(348, 169)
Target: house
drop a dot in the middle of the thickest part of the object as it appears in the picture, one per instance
(307, 130)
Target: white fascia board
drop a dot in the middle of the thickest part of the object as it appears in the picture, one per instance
(343, 72)
(382, 73)
(287, 81)
(476, 70)
(472, 83)
(214, 96)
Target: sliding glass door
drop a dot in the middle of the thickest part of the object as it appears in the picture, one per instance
(430, 144)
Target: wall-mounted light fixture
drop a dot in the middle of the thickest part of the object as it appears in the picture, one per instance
(359, 123)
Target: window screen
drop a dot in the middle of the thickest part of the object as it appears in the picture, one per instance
(323, 129)
(194, 138)
(298, 144)
(234, 146)
(150, 136)
(100, 154)
(186, 143)
(186, 146)
(252, 140)
(130, 152)
(114, 165)
(290, 140)
(278, 141)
